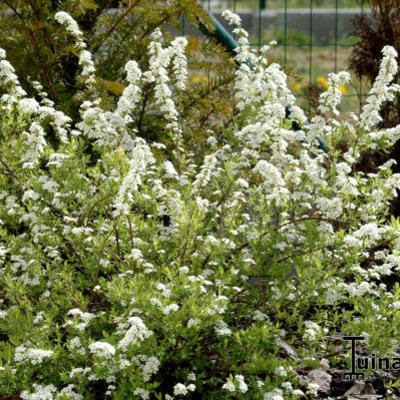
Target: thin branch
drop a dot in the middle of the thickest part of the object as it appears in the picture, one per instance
(310, 218)
(142, 111)
(149, 30)
(114, 26)
(8, 168)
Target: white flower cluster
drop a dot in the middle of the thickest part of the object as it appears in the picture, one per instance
(85, 317)
(9, 80)
(49, 392)
(312, 331)
(160, 59)
(171, 307)
(143, 393)
(235, 384)
(206, 172)
(232, 18)
(35, 143)
(331, 98)
(70, 24)
(102, 349)
(181, 389)
(141, 159)
(222, 329)
(150, 367)
(131, 94)
(34, 356)
(381, 90)
(136, 333)
(179, 61)
(85, 57)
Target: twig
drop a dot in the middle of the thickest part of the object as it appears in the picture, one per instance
(117, 22)
(8, 168)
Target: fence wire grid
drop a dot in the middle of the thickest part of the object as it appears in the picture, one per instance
(314, 37)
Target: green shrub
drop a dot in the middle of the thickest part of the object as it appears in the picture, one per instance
(155, 273)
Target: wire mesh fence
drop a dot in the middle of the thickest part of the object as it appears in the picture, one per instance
(314, 37)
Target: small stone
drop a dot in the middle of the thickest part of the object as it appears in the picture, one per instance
(322, 379)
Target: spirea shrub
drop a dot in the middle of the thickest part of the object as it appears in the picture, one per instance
(209, 275)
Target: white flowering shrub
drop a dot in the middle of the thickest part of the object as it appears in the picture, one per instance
(155, 275)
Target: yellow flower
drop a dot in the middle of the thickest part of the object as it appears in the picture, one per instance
(297, 86)
(342, 89)
(196, 79)
(323, 82)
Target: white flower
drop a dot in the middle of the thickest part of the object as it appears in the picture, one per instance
(193, 322)
(85, 60)
(141, 159)
(150, 367)
(313, 389)
(179, 61)
(9, 80)
(380, 90)
(273, 396)
(312, 331)
(170, 171)
(39, 317)
(180, 389)
(222, 329)
(41, 393)
(191, 376)
(35, 143)
(396, 305)
(184, 270)
(102, 349)
(206, 171)
(35, 356)
(57, 159)
(259, 316)
(85, 317)
(131, 94)
(75, 343)
(70, 24)
(232, 18)
(270, 173)
(172, 307)
(160, 59)
(69, 393)
(143, 393)
(83, 371)
(280, 371)
(137, 332)
(136, 255)
(28, 105)
(331, 98)
(229, 386)
(242, 385)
